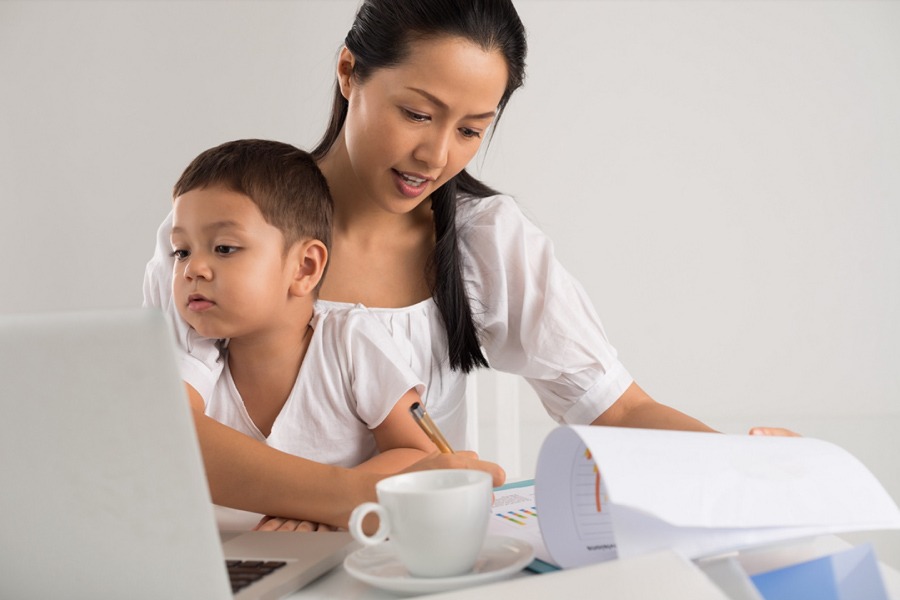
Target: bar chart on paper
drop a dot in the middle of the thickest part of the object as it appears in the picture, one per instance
(522, 516)
(574, 505)
(514, 514)
(592, 522)
(588, 520)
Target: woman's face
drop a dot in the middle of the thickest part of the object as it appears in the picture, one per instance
(412, 127)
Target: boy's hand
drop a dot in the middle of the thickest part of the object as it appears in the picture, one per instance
(268, 523)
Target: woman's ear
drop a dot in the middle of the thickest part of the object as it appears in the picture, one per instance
(345, 64)
(309, 258)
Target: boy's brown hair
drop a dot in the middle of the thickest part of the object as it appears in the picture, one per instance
(283, 181)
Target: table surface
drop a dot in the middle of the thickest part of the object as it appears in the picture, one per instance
(686, 582)
(616, 577)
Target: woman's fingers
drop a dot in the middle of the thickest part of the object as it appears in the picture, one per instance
(464, 459)
(777, 431)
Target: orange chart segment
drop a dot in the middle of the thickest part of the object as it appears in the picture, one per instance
(589, 499)
(597, 501)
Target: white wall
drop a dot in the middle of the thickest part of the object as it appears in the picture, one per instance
(722, 176)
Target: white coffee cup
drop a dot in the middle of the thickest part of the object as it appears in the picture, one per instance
(436, 520)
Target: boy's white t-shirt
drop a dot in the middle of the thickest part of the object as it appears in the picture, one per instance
(534, 318)
(350, 379)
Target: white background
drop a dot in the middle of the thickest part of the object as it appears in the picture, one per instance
(723, 177)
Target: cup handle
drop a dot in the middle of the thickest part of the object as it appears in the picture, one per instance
(356, 519)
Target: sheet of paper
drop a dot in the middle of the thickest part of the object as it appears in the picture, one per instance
(698, 493)
(515, 514)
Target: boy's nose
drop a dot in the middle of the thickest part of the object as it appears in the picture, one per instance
(197, 268)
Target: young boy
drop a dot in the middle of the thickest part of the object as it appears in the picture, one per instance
(250, 237)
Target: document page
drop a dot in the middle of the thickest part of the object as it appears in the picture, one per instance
(514, 514)
(603, 492)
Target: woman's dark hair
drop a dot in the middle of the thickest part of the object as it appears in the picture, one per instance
(380, 38)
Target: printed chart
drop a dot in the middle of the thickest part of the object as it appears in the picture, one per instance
(514, 514)
(589, 497)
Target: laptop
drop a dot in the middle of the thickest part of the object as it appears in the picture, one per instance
(103, 493)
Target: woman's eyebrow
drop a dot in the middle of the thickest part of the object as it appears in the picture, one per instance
(441, 104)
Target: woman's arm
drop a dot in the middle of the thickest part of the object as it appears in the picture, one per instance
(246, 474)
(635, 408)
(401, 442)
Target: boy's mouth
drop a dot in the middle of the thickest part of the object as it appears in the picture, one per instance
(199, 303)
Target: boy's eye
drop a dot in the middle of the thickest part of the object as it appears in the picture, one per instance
(226, 250)
(181, 254)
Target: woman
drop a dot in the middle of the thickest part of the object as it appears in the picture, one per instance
(454, 270)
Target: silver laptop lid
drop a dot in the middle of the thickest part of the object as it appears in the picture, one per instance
(103, 492)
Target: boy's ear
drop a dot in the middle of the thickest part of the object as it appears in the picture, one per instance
(345, 64)
(309, 259)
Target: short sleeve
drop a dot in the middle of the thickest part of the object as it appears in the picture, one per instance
(378, 374)
(198, 361)
(537, 320)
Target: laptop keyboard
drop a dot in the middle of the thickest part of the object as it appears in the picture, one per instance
(244, 572)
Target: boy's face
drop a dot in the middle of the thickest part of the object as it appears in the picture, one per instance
(231, 276)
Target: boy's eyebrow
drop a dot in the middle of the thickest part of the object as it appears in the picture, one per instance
(435, 100)
(214, 226)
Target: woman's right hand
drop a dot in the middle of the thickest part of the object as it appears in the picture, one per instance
(463, 459)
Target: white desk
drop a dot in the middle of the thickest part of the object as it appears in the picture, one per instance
(654, 576)
(618, 579)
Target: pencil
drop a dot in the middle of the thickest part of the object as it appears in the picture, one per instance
(430, 429)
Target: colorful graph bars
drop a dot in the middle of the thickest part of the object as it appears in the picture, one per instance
(519, 517)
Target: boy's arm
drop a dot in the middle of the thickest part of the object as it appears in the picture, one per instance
(247, 474)
(401, 442)
(197, 403)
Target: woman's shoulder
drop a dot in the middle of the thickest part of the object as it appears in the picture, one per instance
(493, 221)
(490, 220)
(481, 210)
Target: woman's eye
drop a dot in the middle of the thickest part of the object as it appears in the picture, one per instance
(222, 249)
(414, 116)
(180, 254)
(470, 133)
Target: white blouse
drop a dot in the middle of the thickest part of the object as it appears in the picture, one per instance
(535, 320)
(333, 406)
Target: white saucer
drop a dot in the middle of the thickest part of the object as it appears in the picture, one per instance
(379, 566)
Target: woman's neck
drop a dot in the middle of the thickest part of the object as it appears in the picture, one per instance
(356, 215)
(378, 258)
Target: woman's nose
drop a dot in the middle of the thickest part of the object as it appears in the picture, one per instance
(434, 149)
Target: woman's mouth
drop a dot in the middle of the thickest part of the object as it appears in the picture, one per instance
(410, 185)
